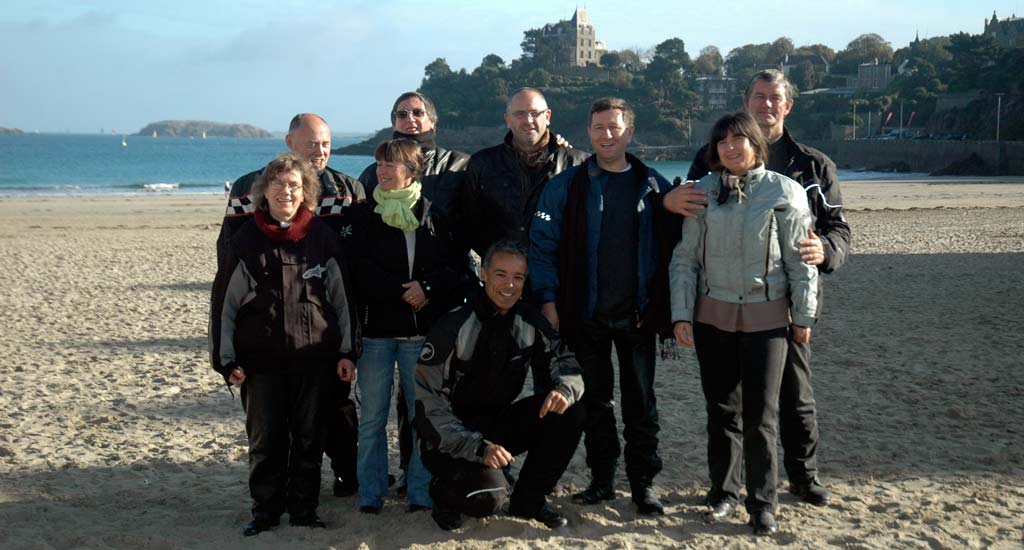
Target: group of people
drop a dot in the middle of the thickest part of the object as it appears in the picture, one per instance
(468, 273)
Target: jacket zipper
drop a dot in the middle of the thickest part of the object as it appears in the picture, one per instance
(768, 252)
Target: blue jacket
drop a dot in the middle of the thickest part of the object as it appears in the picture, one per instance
(547, 227)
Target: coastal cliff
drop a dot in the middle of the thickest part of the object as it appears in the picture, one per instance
(195, 128)
(10, 131)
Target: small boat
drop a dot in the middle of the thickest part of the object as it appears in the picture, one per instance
(124, 142)
(204, 134)
(154, 134)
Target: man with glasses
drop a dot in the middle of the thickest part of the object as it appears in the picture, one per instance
(414, 117)
(499, 194)
(310, 137)
(769, 99)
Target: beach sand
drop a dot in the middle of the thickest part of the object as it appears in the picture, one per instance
(115, 433)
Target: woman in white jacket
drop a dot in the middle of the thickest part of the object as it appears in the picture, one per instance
(738, 286)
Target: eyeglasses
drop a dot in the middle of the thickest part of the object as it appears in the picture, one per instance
(529, 114)
(406, 113)
(278, 186)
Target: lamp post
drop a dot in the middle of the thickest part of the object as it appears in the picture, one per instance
(855, 120)
(901, 119)
(999, 111)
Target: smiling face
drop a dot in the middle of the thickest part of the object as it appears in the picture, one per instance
(503, 280)
(528, 117)
(769, 105)
(411, 117)
(284, 195)
(609, 136)
(311, 141)
(736, 154)
(393, 175)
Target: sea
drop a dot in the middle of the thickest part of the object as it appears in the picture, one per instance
(95, 164)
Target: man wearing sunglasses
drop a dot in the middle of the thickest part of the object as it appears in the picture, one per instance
(499, 195)
(310, 137)
(414, 117)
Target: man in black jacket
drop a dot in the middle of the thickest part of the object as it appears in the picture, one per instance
(769, 98)
(414, 117)
(469, 418)
(310, 137)
(499, 194)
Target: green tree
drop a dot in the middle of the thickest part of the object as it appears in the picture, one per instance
(804, 75)
(611, 60)
(827, 53)
(437, 69)
(863, 49)
(709, 61)
(971, 55)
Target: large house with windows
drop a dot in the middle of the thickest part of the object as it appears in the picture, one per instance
(575, 39)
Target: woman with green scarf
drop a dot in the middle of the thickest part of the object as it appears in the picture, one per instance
(402, 257)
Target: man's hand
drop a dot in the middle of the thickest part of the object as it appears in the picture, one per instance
(811, 250)
(685, 200)
(683, 332)
(236, 377)
(414, 295)
(555, 402)
(801, 335)
(495, 456)
(550, 312)
(346, 370)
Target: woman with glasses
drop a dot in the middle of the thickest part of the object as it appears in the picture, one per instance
(280, 328)
(405, 277)
(739, 287)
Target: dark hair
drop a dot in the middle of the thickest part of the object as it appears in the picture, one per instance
(401, 150)
(298, 119)
(609, 103)
(428, 106)
(523, 90)
(286, 162)
(771, 76)
(512, 248)
(737, 124)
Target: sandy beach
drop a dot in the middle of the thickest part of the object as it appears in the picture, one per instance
(115, 433)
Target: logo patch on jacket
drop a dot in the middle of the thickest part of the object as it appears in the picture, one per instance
(427, 353)
(543, 215)
(317, 272)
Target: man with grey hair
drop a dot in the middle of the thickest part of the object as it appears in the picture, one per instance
(414, 117)
(499, 195)
(769, 99)
(310, 137)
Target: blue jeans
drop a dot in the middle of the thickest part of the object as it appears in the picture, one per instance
(375, 379)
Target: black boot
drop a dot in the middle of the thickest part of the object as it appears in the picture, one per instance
(647, 503)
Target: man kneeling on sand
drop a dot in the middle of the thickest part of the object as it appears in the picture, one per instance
(471, 370)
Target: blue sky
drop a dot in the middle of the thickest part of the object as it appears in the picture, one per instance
(80, 65)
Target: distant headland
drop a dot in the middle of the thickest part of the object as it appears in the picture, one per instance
(197, 128)
(10, 131)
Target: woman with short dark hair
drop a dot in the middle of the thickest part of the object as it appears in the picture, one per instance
(404, 274)
(738, 287)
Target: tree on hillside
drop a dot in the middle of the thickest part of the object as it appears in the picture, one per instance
(631, 58)
(779, 49)
(538, 52)
(864, 49)
(437, 69)
(744, 61)
(673, 52)
(804, 76)
(709, 61)
(611, 60)
(818, 49)
(971, 54)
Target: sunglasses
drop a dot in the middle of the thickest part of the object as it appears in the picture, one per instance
(406, 113)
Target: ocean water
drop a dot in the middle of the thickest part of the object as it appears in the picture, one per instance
(61, 164)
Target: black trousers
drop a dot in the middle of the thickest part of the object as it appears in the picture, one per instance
(476, 490)
(285, 429)
(636, 352)
(740, 374)
(798, 419)
(342, 427)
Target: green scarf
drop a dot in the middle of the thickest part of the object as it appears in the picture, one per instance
(395, 207)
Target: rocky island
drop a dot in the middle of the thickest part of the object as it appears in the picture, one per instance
(10, 131)
(197, 128)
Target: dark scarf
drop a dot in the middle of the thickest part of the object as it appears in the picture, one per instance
(536, 157)
(572, 249)
(425, 139)
(294, 232)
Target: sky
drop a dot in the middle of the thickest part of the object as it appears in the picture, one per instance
(86, 65)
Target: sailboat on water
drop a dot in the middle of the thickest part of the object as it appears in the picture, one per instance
(154, 134)
(204, 134)
(124, 142)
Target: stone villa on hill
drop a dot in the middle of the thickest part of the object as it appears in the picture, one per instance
(575, 40)
(1007, 33)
